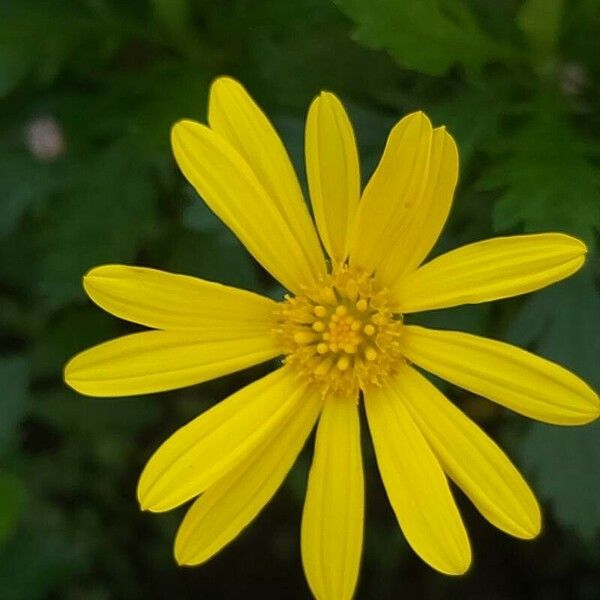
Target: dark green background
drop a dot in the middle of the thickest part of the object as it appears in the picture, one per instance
(88, 91)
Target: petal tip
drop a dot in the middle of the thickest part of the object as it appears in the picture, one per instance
(595, 410)
(591, 411)
(69, 375)
(145, 504)
(179, 553)
(142, 493)
(454, 566)
(459, 561)
(530, 524)
(183, 126)
(184, 554)
(327, 96)
(103, 271)
(87, 281)
(223, 81)
(180, 559)
(460, 565)
(176, 131)
(533, 532)
(574, 244)
(420, 115)
(153, 507)
(417, 120)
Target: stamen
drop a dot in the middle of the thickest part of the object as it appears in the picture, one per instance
(343, 335)
(322, 348)
(343, 363)
(370, 353)
(320, 311)
(304, 337)
(341, 310)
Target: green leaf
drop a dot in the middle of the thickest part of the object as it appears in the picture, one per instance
(564, 462)
(17, 250)
(565, 472)
(102, 218)
(148, 105)
(24, 182)
(176, 16)
(12, 498)
(89, 422)
(471, 318)
(37, 560)
(68, 333)
(198, 217)
(14, 66)
(429, 36)
(547, 179)
(540, 21)
(216, 256)
(38, 38)
(471, 116)
(371, 129)
(13, 400)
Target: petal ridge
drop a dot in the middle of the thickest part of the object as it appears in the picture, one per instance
(416, 485)
(200, 453)
(398, 181)
(176, 302)
(333, 172)
(470, 458)
(519, 380)
(232, 191)
(232, 503)
(235, 116)
(156, 361)
(333, 515)
(490, 270)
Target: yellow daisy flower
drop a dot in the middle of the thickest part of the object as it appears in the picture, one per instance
(342, 334)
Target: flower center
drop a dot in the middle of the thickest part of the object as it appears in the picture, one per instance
(342, 335)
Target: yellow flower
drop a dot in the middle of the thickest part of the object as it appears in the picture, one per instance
(342, 334)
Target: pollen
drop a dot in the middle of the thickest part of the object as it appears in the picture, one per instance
(343, 335)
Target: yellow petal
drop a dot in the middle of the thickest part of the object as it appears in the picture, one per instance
(155, 361)
(332, 521)
(392, 194)
(416, 485)
(333, 172)
(234, 193)
(178, 302)
(425, 214)
(517, 379)
(489, 270)
(209, 447)
(473, 461)
(230, 504)
(234, 115)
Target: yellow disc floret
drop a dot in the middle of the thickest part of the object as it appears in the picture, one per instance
(342, 335)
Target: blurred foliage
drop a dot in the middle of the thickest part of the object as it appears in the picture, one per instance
(88, 92)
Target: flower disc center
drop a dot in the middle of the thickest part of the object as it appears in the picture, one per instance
(343, 334)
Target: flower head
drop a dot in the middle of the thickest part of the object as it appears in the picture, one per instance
(343, 334)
